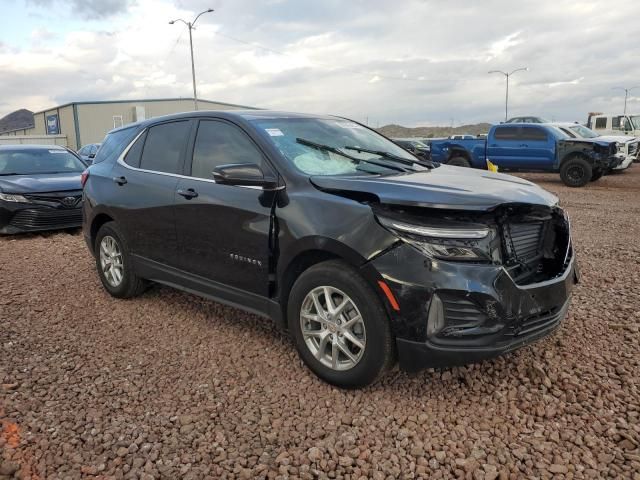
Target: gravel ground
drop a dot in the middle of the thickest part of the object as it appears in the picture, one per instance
(172, 386)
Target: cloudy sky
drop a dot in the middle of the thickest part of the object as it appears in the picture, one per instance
(412, 62)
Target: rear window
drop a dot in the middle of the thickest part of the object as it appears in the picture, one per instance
(113, 144)
(38, 161)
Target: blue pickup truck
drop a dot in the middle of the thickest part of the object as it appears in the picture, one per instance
(531, 148)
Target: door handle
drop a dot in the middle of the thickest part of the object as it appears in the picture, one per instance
(188, 194)
(120, 180)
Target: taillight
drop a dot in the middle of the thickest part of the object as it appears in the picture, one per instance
(84, 177)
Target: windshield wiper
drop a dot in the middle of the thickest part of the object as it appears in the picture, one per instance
(10, 173)
(391, 156)
(329, 148)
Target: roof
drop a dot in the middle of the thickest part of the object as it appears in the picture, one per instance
(147, 100)
(229, 114)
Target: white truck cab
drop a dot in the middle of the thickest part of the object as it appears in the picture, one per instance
(605, 124)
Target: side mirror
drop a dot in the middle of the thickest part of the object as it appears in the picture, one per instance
(244, 175)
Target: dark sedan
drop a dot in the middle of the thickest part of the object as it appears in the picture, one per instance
(40, 188)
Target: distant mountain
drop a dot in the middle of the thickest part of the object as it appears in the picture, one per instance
(398, 131)
(22, 118)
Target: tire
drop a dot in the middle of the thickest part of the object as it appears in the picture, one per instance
(111, 248)
(597, 175)
(575, 172)
(459, 162)
(368, 361)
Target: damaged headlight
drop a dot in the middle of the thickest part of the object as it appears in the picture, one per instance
(453, 243)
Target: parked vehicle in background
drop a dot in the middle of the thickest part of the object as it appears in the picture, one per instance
(532, 148)
(604, 124)
(40, 188)
(88, 152)
(627, 146)
(358, 248)
(418, 148)
(461, 137)
(529, 119)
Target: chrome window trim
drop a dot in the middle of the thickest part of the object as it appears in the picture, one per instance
(121, 162)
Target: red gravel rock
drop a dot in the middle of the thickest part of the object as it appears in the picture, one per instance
(169, 385)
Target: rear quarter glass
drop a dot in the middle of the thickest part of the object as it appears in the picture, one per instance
(113, 144)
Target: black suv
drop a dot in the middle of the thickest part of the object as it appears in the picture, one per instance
(359, 249)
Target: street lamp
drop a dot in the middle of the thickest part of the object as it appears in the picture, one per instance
(626, 95)
(190, 26)
(507, 75)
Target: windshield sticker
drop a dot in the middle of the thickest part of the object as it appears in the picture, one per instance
(274, 132)
(57, 151)
(348, 125)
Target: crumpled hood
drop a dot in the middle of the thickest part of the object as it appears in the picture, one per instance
(443, 187)
(618, 138)
(49, 182)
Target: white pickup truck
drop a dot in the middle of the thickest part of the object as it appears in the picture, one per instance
(627, 145)
(620, 124)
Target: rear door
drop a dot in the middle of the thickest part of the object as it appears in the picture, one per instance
(146, 179)
(223, 230)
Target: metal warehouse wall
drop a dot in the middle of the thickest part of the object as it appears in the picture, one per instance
(96, 119)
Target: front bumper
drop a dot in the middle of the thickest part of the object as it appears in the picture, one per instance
(625, 163)
(30, 217)
(489, 313)
(615, 161)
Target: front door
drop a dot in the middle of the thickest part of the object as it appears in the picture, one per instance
(223, 230)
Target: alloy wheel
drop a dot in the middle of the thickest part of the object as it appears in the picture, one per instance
(332, 328)
(111, 261)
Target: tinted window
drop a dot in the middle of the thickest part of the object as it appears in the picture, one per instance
(533, 134)
(135, 152)
(163, 147)
(506, 133)
(114, 143)
(601, 122)
(218, 143)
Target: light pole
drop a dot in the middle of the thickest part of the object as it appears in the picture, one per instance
(190, 26)
(507, 75)
(626, 95)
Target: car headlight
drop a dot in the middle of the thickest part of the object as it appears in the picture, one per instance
(10, 197)
(479, 244)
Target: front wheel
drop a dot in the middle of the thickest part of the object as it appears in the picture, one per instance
(340, 326)
(576, 172)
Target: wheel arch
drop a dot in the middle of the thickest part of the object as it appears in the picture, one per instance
(97, 222)
(310, 252)
(459, 152)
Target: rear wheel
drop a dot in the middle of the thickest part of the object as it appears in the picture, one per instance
(575, 172)
(114, 263)
(459, 162)
(340, 326)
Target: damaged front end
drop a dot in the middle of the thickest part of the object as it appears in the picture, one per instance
(472, 285)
